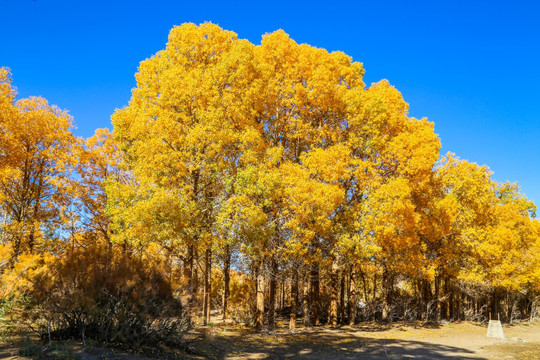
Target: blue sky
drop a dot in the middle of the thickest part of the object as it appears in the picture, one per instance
(472, 67)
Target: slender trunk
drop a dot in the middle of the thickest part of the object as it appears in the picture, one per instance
(283, 295)
(511, 304)
(364, 283)
(16, 250)
(306, 301)
(37, 203)
(272, 295)
(194, 258)
(444, 304)
(451, 303)
(334, 296)
(352, 297)
(294, 297)
(495, 302)
(385, 285)
(347, 295)
(207, 285)
(188, 265)
(342, 299)
(374, 295)
(437, 296)
(188, 274)
(315, 291)
(384, 291)
(427, 298)
(226, 280)
(259, 314)
(195, 273)
(459, 306)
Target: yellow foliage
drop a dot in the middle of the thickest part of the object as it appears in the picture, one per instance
(278, 151)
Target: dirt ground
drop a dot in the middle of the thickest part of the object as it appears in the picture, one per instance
(375, 341)
(365, 341)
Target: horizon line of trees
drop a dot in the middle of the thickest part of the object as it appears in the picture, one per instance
(264, 180)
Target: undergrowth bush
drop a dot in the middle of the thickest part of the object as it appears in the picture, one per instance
(104, 293)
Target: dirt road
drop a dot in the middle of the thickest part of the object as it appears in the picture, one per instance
(366, 341)
(374, 341)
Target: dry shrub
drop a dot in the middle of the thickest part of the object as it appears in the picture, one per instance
(105, 293)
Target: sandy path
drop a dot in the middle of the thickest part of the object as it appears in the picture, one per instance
(373, 341)
(366, 341)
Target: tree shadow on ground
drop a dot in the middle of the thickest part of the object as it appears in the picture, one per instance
(325, 344)
(374, 326)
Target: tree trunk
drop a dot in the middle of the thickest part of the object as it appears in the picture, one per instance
(374, 295)
(195, 273)
(37, 203)
(334, 295)
(306, 301)
(342, 299)
(315, 291)
(188, 267)
(226, 280)
(194, 259)
(451, 303)
(207, 284)
(294, 297)
(427, 298)
(437, 296)
(511, 303)
(495, 303)
(444, 304)
(459, 306)
(352, 297)
(188, 275)
(364, 284)
(385, 285)
(282, 300)
(259, 314)
(272, 297)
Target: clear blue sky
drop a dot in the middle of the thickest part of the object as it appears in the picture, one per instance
(472, 67)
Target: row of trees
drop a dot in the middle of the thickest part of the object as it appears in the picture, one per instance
(59, 271)
(272, 168)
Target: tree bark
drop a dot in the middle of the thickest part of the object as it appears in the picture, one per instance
(387, 285)
(315, 291)
(374, 295)
(195, 273)
(306, 300)
(272, 295)
(259, 314)
(334, 296)
(188, 274)
(444, 304)
(451, 303)
(364, 284)
(294, 297)
(437, 296)
(188, 266)
(352, 297)
(495, 303)
(226, 280)
(342, 299)
(427, 297)
(207, 285)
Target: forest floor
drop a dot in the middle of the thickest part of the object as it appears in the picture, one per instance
(394, 341)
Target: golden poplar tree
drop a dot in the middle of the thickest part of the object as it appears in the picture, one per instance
(38, 151)
(181, 133)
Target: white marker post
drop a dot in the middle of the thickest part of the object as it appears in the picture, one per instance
(495, 329)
